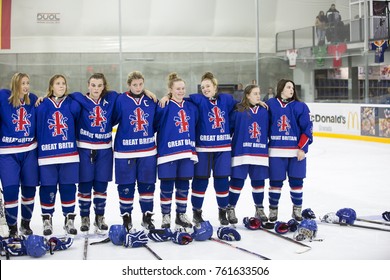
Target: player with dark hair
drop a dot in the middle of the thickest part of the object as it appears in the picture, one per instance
(18, 152)
(290, 134)
(175, 127)
(58, 157)
(249, 123)
(94, 142)
(135, 150)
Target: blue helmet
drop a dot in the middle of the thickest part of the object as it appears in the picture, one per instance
(346, 216)
(117, 234)
(36, 246)
(203, 232)
(307, 230)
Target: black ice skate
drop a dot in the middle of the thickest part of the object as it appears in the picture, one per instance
(197, 218)
(147, 221)
(127, 223)
(25, 227)
(222, 217)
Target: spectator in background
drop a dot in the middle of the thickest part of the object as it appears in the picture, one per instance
(320, 24)
(237, 95)
(269, 95)
(335, 25)
(333, 15)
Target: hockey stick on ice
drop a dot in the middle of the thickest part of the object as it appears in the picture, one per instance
(362, 226)
(101, 241)
(373, 222)
(153, 252)
(239, 248)
(303, 250)
(85, 246)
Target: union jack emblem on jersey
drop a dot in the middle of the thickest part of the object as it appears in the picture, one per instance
(216, 117)
(21, 121)
(284, 124)
(58, 125)
(182, 121)
(254, 131)
(139, 121)
(98, 118)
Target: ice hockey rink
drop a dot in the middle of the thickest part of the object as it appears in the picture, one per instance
(341, 173)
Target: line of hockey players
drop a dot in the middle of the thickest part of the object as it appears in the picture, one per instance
(70, 139)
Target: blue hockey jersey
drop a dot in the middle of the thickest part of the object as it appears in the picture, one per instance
(250, 137)
(175, 125)
(94, 127)
(17, 125)
(290, 128)
(135, 134)
(213, 128)
(56, 131)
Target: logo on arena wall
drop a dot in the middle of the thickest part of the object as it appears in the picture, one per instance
(353, 120)
(48, 17)
(325, 119)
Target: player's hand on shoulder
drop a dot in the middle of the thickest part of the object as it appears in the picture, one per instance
(151, 95)
(163, 101)
(39, 101)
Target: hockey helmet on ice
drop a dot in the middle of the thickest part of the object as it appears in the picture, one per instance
(346, 216)
(117, 234)
(307, 230)
(36, 246)
(203, 232)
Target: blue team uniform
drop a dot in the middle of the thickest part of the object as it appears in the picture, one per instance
(18, 156)
(94, 142)
(249, 153)
(175, 126)
(135, 150)
(58, 157)
(290, 130)
(213, 145)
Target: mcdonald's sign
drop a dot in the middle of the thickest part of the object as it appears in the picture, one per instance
(353, 120)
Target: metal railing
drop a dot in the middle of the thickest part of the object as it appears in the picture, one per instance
(348, 31)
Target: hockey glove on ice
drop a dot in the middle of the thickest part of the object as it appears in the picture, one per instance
(281, 227)
(252, 223)
(58, 244)
(160, 235)
(14, 246)
(308, 214)
(293, 225)
(136, 239)
(330, 218)
(181, 238)
(228, 234)
(386, 216)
